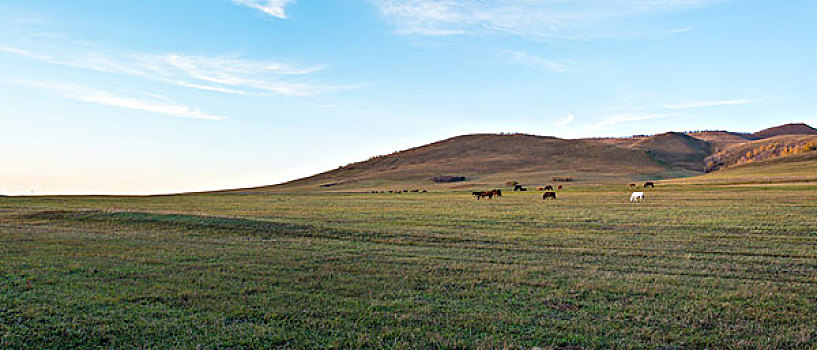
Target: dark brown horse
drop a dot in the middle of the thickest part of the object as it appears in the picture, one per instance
(490, 194)
(632, 185)
(560, 187)
(551, 195)
(479, 194)
(649, 184)
(549, 188)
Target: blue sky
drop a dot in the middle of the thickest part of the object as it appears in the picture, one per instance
(167, 96)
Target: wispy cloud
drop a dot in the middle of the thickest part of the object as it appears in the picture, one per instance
(630, 117)
(679, 30)
(535, 18)
(700, 104)
(274, 8)
(522, 57)
(565, 122)
(224, 74)
(155, 104)
(15, 51)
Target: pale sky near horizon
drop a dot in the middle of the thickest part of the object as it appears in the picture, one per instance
(153, 96)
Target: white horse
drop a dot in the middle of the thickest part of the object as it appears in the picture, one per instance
(637, 197)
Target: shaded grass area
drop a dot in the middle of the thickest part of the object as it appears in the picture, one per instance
(694, 267)
(793, 168)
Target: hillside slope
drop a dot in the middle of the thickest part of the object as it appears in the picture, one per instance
(760, 150)
(487, 159)
(677, 149)
(712, 150)
(720, 140)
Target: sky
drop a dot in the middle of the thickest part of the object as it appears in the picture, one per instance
(154, 96)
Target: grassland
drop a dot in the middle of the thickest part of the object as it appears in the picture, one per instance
(695, 266)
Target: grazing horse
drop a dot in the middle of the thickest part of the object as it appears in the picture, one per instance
(560, 187)
(649, 184)
(479, 194)
(637, 197)
(517, 187)
(497, 192)
(549, 188)
(632, 185)
(540, 188)
(551, 195)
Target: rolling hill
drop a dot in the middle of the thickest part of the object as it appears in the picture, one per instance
(785, 129)
(491, 160)
(720, 140)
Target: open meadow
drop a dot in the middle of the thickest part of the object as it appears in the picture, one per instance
(694, 266)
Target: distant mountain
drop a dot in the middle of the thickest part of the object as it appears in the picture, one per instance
(785, 129)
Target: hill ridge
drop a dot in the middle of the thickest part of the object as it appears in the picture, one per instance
(491, 159)
(786, 129)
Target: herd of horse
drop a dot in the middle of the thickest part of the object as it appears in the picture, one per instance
(550, 193)
(646, 184)
(414, 190)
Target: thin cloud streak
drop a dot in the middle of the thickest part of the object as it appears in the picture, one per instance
(701, 104)
(630, 117)
(679, 30)
(522, 57)
(209, 73)
(274, 8)
(565, 122)
(15, 51)
(529, 18)
(156, 105)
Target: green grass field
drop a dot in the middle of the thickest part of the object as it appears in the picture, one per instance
(695, 266)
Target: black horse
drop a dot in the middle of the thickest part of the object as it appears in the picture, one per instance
(551, 195)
